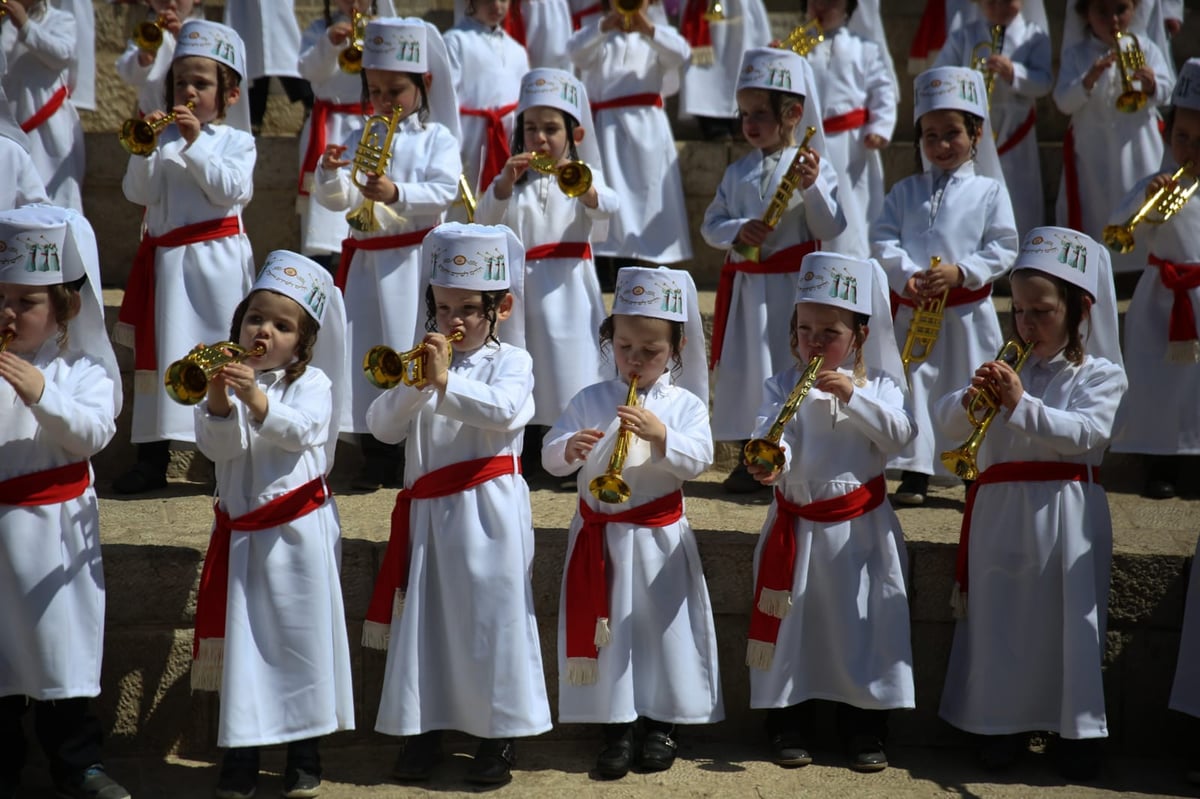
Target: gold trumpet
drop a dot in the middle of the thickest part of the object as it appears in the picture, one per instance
(574, 177)
(372, 156)
(779, 202)
(982, 411)
(187, 379)
(466, 197)
(350, 59)
(765, 451)
(610, 487)
(386, 368)
(804, 38)
(628, 9)
(1129, 59)
(925, 326)
(148, 35)
(140, 137)
(715, 12)
(6, 339)
(980, 54)
(1165, 202)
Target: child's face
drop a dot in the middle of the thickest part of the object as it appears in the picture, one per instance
(1106, 16)
(823, 330)
(182, 8)
(1000, 12)
(1039, 312)
(196, 80)
(1185, 138)
(830, 13)
(761, 127)
(389, 90)
(944, 139)
(490, 13)
(28, 312)
(545, 132)
(641, 346)
(272, 320)
(462, 309)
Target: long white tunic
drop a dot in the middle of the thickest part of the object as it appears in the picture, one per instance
(464, 655)
(385, 289)
(197, 286)
(563, 304)
(271, 34)
(1145, 423)
(1185, 693)
(637, 147)
(846, 635)
(851, 73)
(1029, 48)
(23, 185)
(149, 80)
(1028, 655)
(662, 660)
(286, 672)
(547, 29)
(756, 335)
(710, 90)
(1113, 149)
(52, 584)
(39, 55)
(972, 226)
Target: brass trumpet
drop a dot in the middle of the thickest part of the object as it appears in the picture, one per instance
(765, 451)
(6, 339)
(1129, 60)
(372, 156)
(1165, 202)
(187, 379)
(804, 38)
(779, 202)
(982, 411)
(140, 137)
(715, 12)
(386, 368)
(466, 197)
(350, 59)
(148, 36)
(980, 54)
(628, 9)
(574, 178)
(611, 487)
(925, 326)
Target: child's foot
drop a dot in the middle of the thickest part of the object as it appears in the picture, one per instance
(418, 758)
(866, 754)
(1162, 472)
(300, 784)
(913, 488)
(92, 783)
(658, 749)
(493, 762)
(788, 750)
(616, 758)
(239, 774)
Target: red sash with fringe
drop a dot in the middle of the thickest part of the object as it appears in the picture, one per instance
(559, 249)
(957, 296)
(48, 110)
(496, 151)
(47, 487)
(1020, 133)
(1179, 279)
(850, 120)
(352, 245)
(628, 101)
(694, 27)
(316, 135)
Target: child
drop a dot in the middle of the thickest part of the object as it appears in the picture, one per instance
(272, 37)
(564, 308)
(1036, 539)
(146, 70)
(194, 262)
(1160, 325)
(455, 612)
(838, 629)
(958, 211)
(542, 27)
(753, 299)
(270, 627)
(39, 43)
(60, 393)
(1185, 693)
(380, 272)
(24, 185)
(718, 46)
(487, 65)
(1105, 151)
(1020, 74)
(636, 640)
(625, 71)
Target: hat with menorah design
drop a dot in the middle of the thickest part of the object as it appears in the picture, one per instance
(647, 291)
(1064, 253)
(950, 89)
(469, 256)
(775, 69)
(839, 280)
(199, 37)
(298, 278)
(32, 248)
(1187, 87)
(396, 44)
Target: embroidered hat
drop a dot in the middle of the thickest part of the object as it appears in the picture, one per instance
(1064, 253)
(832, 279)
(31, 248)
(775, 69)
(199, 37)
(468, 256)
(297, 277)
(554, 88)
(1187, 87)
(952, 89)
(397, 45)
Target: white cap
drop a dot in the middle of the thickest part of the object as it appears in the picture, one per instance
(554, 88)
(776, 70)
(828, 278)
(299, 278)
(397, 45)
(950, 89)
(480, 258)
(1187, 87)
(199, 37)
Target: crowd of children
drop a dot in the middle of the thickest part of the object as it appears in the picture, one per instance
(828, 373)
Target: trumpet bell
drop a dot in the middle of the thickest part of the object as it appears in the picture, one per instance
(1119, 238)
(962, 461)
(610, 488)
(384, 367)
(764, 453)
(574, 178)
(350, 60)
(186, 380)
(148, 36)
(1131, 101)
(138, 137)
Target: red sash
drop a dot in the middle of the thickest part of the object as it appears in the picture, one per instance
(316, 135)
(47, 487)
(783, 262)
(930, 36)
(1179, 279)
(1020, 133)
(352, 245)
(45, 112)
(578, 16)
(1013, 472)
(388, 597)
(137, 309)
(957, 296)
(559, 249)
(514, 22)
(847, 121)
(496, 152)
(629, 100)
(777, 561)
(1071, 179)
(694, 27)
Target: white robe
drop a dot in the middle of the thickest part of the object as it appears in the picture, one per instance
(1185, 692)
(286, 671)
(465, 654)
(846, 636)
(1113, 149)
(1028, 655)
(974, 228)
(710, 90)
(150, 80)
(662, 660)
(52, 584)
(547, 29)
(1145, 422)
(39, 55)
(23, 186)
(638, 150)
(756, 336)
(563, 304)
(197, 286)
(1029, 48)
(271, 34)
(385, 289)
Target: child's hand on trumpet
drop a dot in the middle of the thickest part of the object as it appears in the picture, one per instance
(998, 379)
(332, 159)
(580, 445)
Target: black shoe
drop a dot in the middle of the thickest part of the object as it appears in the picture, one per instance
(300, 784)
(493, 762)
(740, 481)
(866, 754)
(239, 774)
(141, 478)
(92, 783)
(1158, 489)
(616, 758)
(657, 752)
(418, 758)
(1000, 752)
(788, 750)
(912, 490)
(1079, 760)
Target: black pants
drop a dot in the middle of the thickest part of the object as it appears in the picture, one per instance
(851, 721)
(67, 730)
(297, 89)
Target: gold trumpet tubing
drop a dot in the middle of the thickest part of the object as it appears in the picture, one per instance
(1166, 202)
(610, 487)
(715, 12)
(766, 451)
(140, 137)
(628, 9)
(372, 156)
(415, 360)
(466, 197)
(350, 59)
(925, 327)
(6, 339)
(982, 411)
(187, 379)
(782, 197)
(804, 38)
(385, 368)
(1129, 60)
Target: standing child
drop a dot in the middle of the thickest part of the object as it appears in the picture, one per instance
(60, 393)
(718, 46)
(194, 263)
(272, 36)
(1160, 325)
(455, 612)
(146, 70)
(380, 273)
(775, 95)
(1036, 542)
(958, 211)
(636, 641)
(830, 615)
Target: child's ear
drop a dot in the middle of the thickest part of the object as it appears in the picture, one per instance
(505, 309)
(579, 134)
(428, 80)
(1087, 307)
(232, 95)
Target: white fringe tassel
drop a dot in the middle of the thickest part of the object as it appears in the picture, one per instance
(1183, 351)
(759, 654)
(206, 668)
(375, 635)
(775, 603)
(146, 381)
(582, 671)
(398, 604)
(958, 602)
(123, 334)
(603, 635)
(703, 56)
